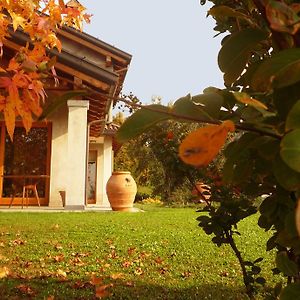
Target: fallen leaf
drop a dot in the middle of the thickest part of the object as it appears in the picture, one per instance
(25, 289)
(4, 272)
(224, 274)
(163, 270)
(59, 258)
(61, 274)
(186, 274)
(58, 247)
(126, 264)
(117, 276)
(113, 255)
(18, 242)
(158, 260)
(96, 280)
(102, 292)
(129, 283)
(138, 271)
(131, 250)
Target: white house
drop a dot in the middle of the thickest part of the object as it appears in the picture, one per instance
(69, 156)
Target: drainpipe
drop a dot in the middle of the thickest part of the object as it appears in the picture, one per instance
(102, 122)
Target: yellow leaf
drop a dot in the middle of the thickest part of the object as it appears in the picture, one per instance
(17, 21)
(4, 272)
(61, 273)
(201, 146)
(117, 276)
(246, 99)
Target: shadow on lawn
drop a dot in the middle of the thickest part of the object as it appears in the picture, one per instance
(53, 289)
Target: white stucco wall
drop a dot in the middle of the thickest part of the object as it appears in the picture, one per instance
(103, 146)
(59, 157)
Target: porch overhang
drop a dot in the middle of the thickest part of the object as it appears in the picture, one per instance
(89, 62)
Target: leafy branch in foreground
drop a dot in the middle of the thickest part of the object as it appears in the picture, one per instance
(260, 61)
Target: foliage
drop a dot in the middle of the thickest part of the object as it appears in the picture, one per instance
(22, 78)
(143, 255)
(260, 61)
(153, 160)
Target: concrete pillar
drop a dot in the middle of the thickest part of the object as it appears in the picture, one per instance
(107, 159)
(77, 148)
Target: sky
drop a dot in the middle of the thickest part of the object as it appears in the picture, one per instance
(171, 41)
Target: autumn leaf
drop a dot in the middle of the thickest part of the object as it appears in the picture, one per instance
(131, 250)
(61, 274)
(158, 260)
(201, 146)
(4, 272)
(59, 258)
(138, 271)
(96, 280)
(17, 20)
(117, 276)
(102, 292)
(246, 99)
(26, 290)
(126, 264)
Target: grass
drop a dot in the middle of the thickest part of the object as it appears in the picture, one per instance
(157, 254)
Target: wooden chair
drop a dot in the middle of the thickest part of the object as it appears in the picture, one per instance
(26, 189)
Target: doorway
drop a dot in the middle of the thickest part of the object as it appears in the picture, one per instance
(92, 177)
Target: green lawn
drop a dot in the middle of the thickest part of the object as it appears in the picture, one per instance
(157, 254)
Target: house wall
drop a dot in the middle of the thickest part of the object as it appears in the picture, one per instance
(59, 156)
(59, 161)
(103, 146)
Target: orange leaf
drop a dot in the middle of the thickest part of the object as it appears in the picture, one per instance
(96, 280)
(2, 102)
(102, 292)
(246, 99)
(10, 117)
(201, 146)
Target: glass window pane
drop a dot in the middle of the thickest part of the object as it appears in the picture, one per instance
(26, 155)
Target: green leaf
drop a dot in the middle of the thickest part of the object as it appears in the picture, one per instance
(293, 118)
(268, 207)
(290, 149)
(236, 52)
(282, 69)
(211, 103)
(285, 265)
(226, 11)
(228, 98)
(291, 292)
(57, 102)
(290, 224)
(186, 107)
(286, 177)
(141, 120)
(268, 148)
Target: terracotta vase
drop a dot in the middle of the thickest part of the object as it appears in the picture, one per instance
(121, 190)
